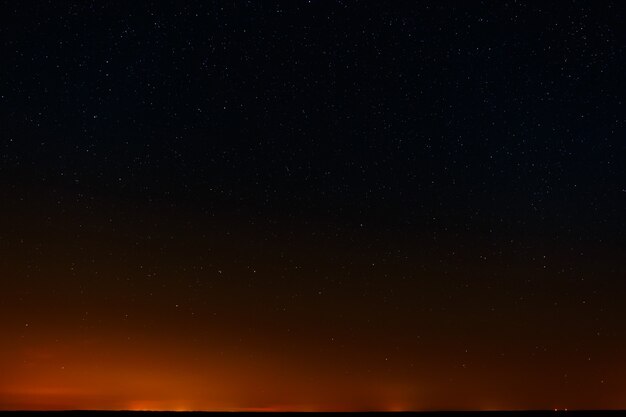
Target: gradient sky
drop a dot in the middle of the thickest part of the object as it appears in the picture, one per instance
(312, 205)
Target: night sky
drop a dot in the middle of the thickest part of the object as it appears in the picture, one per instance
(312, 205)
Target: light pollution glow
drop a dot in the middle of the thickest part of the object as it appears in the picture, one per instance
(95, 374)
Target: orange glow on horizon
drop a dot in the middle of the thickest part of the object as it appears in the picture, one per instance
(110, 376)
(232, 349)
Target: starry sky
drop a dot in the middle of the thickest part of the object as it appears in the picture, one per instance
(312, 205)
